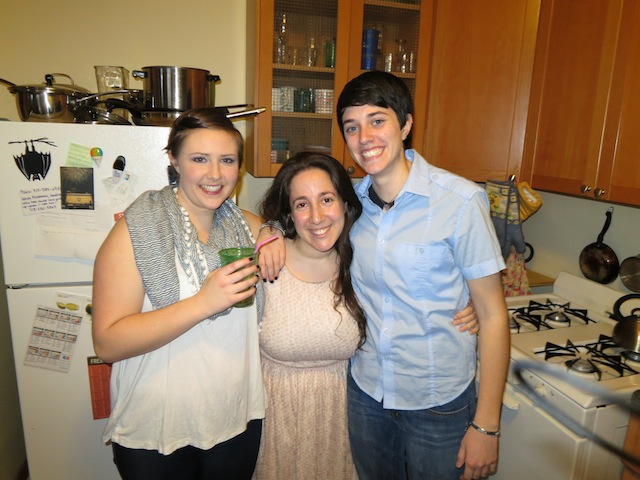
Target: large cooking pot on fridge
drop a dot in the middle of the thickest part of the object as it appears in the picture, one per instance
(49, 101)
(177, 88)
(626, 333)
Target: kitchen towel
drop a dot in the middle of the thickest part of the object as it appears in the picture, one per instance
(505, 214)
(515, 281)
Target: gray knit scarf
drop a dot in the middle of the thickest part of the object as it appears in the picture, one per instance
(156, 227)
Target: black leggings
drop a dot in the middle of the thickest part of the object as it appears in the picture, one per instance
(234, 459)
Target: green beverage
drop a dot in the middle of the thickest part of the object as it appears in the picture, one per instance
(230, 255)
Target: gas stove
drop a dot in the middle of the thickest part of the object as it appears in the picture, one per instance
(571, 373)
(571, 328)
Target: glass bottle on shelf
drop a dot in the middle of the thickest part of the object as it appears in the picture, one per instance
(401, 57)
(312, 53)
(380, 59)
(281, 41)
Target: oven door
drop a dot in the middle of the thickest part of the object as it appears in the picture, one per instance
(534, 445)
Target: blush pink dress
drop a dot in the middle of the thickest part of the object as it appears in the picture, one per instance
(305, 345)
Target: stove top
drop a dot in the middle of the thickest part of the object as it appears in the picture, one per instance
(571, 328)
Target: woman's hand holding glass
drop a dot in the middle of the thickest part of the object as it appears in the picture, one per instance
(228, 285)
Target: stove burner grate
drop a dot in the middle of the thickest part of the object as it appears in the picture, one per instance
(591, 358)
(559, 312)
(545, 316)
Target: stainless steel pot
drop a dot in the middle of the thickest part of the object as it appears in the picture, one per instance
(49, 101)
(626, 333)
(630, 273)
(177, 88)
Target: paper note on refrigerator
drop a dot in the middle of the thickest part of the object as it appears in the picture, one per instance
(77, 234)
(53, 338)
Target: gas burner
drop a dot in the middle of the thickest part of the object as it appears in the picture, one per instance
(558, 315)
(601, 359)
(633, 357)
(550, 315)
(521, 321)
(608, 347)
(581, 365)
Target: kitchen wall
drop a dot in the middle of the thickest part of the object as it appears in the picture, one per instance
(565, 225)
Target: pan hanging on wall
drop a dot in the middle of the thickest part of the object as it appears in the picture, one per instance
(598, 261)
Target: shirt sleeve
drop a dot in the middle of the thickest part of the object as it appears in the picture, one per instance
(476, 248)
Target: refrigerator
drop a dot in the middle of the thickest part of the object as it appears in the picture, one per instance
(63, 187)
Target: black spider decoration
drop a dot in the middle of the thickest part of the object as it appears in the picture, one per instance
(34, 165)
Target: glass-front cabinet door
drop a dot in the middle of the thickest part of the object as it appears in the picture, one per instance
(401, 32)
(300, 65)
(300, 55)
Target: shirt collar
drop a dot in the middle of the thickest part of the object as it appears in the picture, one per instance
(417, 182)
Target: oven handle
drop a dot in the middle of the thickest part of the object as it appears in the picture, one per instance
(509, 400)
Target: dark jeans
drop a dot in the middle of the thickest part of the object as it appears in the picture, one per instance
(400, 444)
(234, 459)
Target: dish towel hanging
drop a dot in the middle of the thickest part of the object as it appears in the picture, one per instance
(505, 214)
(515, 281)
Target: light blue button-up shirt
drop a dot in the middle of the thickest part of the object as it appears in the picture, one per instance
(410, 267)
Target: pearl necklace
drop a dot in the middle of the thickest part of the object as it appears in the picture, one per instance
(195, 266)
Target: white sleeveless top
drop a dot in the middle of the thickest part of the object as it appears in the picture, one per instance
(200, 390)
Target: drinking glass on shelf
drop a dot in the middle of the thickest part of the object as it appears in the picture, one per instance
(311, 53)
(402, 58)
(330, 53)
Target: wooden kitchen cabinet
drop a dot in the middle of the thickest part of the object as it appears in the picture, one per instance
(283, 129)
(585, 101)
(478, 91)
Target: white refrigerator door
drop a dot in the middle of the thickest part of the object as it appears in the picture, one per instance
(63, 440)
(39, 252)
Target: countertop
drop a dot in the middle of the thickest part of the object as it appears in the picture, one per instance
(538, 280)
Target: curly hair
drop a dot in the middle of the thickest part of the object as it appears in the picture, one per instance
(276, 206)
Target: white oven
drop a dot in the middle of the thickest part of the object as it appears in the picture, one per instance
(571, 328)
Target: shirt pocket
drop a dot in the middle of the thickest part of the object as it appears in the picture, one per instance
(424, 269)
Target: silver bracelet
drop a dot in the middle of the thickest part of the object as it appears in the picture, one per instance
(275, 224)
(485, 432)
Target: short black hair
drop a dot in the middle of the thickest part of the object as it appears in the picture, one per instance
(377, 88)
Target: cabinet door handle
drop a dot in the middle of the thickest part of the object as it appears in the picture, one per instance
(598, 192)
(351, 170)
(585, 188)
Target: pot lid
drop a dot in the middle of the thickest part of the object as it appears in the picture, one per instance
(51, 86)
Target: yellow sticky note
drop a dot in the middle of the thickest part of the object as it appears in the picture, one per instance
(79, 156)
